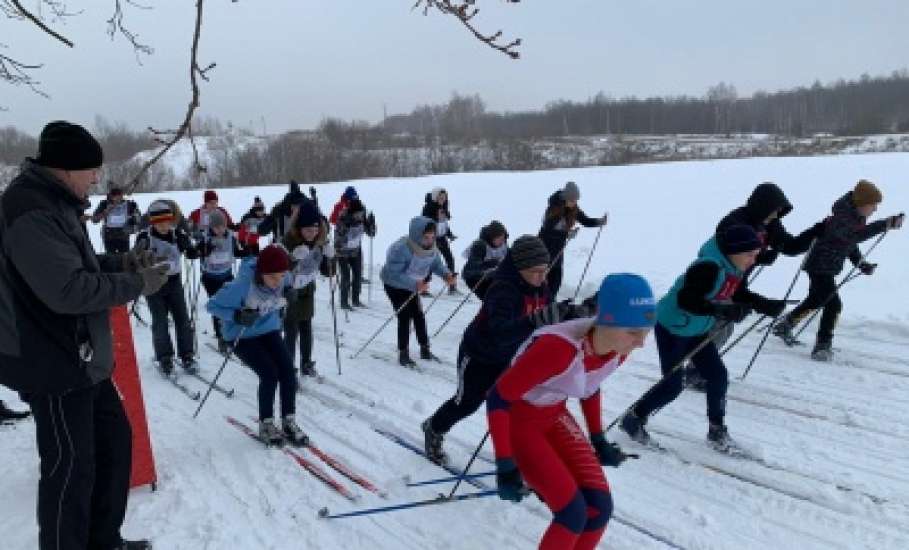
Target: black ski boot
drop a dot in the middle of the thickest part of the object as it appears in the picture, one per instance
(634, 427)
(166, 366)
(404, 359)
(189, 364)
(223, 346)
(269, 433)
(346, 307)
(427, 355)
(308, 369)
(292, 432)
(823, 351)
(432, 444)
(718, 438)
(783, 330)
(133, 545)
(357, 303)
(7, 414)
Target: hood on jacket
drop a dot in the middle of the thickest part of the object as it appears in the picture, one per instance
(764, 200)
(418, 226)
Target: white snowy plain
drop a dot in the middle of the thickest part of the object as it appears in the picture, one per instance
(833, 436)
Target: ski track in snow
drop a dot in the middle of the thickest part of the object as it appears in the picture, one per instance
(834, 448)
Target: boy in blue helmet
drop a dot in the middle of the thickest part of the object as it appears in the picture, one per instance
(538, 441)
(708, 296)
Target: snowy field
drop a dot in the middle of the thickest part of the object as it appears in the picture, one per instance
(833, 437)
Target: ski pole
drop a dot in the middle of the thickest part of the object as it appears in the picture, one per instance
(773, 322)
(469, 464)
(369, 290)
(435, 299)
(756, 273)
(678, 366)
(457, 309)
(227, 356)
(587, 265)
(450, 478)
(441, 499)
(385, 324)
(334, 321)
(849, 277)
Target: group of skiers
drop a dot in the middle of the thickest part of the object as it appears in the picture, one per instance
(524, 354)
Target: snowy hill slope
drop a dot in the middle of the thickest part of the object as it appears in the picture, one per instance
(835, 447)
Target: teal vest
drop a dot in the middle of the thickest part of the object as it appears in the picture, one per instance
(684, 323)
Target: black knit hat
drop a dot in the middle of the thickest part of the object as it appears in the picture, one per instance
(68, 146)
(529, 251)
(309, 215)
(737, 239)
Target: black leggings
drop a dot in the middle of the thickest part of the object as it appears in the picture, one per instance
(267, 356)
(475, 378)
(822, 289)
(412, 311)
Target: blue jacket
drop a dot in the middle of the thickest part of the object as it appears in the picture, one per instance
(682, 321)
(399, 257)
(503, 322)
(244, 292)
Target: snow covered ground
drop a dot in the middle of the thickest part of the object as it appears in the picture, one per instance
(833, 437)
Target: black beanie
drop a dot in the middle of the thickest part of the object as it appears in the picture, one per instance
(529, 251)
(68, 146)
(737, 239)
(308, 215)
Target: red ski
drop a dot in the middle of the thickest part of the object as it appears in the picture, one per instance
(307, 465)
(341, 468)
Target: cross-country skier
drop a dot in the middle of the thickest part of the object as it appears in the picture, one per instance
(350, 193)
(120, 217)
(351, 225)
(277, 222)
(517, 303)
(764, 212)
(559, 220)
(218, 249)
(310, 254)
(200, 218)
(842, 232)
(250, 311)
(248, 232)
(710, 291)
(438, 209)
(408, 261)
(170, 244)
(484, 256)
(538, 442)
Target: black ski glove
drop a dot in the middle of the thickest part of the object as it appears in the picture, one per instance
(866, 268)
(767, 257)
(769, 307)
(509, 482)
(609, 454)
(896, 222)
(731, 313)
(246, 317)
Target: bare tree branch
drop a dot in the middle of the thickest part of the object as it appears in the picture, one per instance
(465, 12)
(58, 9)
(17, 73)
(185, 128)
(115, 24)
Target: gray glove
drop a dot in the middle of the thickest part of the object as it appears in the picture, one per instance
(138, 258)
(153, 278)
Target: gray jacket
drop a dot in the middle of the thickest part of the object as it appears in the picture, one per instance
(55, 292)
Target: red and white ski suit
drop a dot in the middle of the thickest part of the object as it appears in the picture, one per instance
(529, 423)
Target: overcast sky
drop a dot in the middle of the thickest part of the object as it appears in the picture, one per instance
(290, 63)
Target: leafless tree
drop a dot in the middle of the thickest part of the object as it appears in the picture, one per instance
(16, 72)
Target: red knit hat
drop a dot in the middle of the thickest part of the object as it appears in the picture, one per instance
(210, 195)
(272, 259)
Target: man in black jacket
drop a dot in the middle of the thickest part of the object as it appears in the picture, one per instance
(55, 340)
(517, 303)
(483, 256)
(839, 240)
(559, 220)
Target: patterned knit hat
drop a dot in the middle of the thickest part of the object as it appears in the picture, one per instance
(160, 212)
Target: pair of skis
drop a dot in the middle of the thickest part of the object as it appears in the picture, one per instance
(315, 469)
(194, 395)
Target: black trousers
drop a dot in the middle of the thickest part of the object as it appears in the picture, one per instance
(351, 271)
(412, 312)
(267, 356)
(707, 361)
(85, 445)
(303, 329)
(115, 241)
(213, 284)
(821, 287)
(170, 301)
(475, 378)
